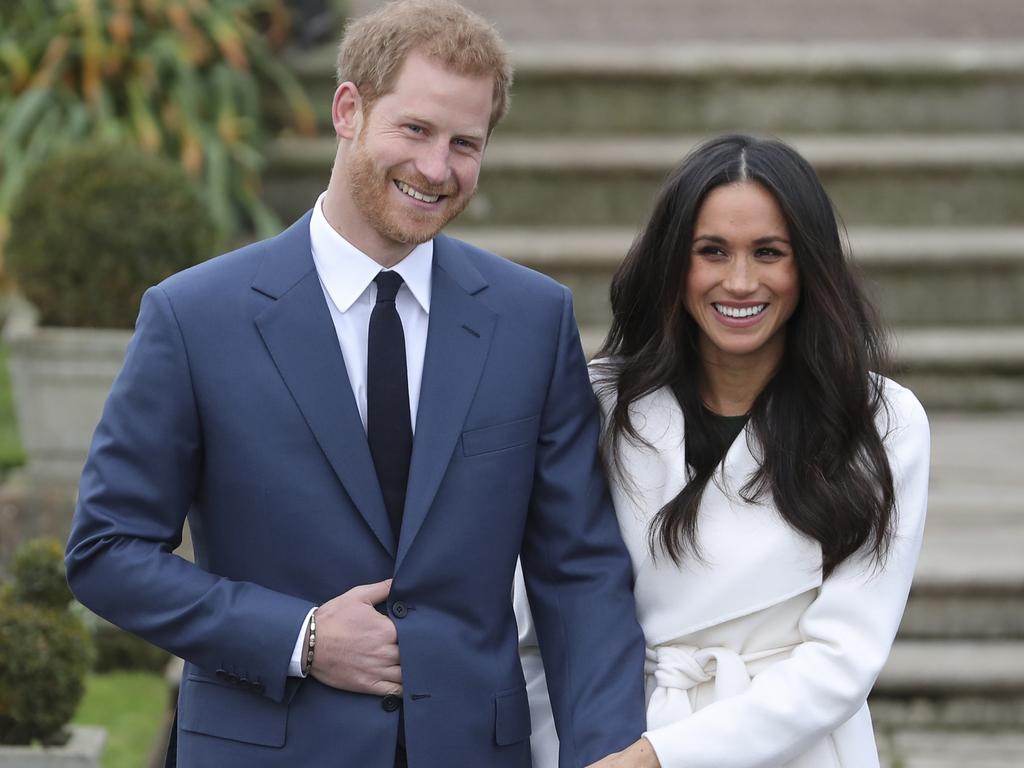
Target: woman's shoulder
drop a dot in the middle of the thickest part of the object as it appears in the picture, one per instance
(604, 374)
(604, 369)
(900, 409)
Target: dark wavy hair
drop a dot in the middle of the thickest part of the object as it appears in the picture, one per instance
(822, 458)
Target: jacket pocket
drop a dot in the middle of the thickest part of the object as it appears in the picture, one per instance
(511, 716)
(213, 708)
(500, 436)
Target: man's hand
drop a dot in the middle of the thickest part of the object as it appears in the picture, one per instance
(639, 754)
(357, 647)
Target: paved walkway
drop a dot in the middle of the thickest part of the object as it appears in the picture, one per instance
(668, 21)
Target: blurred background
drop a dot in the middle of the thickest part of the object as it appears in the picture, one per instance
(199, 125)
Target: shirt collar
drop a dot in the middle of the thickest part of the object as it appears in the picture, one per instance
(346, 271)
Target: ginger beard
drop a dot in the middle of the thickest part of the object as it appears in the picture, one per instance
(374, 194)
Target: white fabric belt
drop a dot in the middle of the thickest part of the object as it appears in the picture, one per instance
(678, 668)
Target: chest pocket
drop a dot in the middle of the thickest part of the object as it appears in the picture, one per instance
(500, 437)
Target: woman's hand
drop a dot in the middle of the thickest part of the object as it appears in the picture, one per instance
(639, 754)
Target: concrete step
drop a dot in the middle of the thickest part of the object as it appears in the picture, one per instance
(961, 685)
(918, 276)
(900, 180)
(774, 88)
(948, 368)
(683, 22)
(970, 579)
(963, 368)
(937, 748)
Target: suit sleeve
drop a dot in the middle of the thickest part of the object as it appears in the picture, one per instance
(138, 484)
(578, 575)
(848, 629)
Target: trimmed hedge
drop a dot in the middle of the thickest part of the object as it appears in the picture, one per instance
(97, 225)
(38, 571)
(45, 651)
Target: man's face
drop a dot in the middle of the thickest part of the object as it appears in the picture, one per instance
(415, 164)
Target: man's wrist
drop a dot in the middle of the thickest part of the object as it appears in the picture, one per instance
(298, 657)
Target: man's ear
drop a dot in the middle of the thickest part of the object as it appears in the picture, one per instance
(347, 111)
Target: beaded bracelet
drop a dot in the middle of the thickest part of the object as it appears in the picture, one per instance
(312, 643)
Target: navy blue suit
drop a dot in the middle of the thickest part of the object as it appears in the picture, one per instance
(234, 408)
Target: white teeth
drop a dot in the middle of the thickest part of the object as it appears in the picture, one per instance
(739, 312)
(418, 195)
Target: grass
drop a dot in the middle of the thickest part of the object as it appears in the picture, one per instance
(11, 453)
(131, 706)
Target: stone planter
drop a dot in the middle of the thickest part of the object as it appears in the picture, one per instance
(60, 379)
(83, 750)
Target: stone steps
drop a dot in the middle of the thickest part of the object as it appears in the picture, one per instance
(916, 87)
(933, 748)
(918, 276)
(903, 180)
(950, 684)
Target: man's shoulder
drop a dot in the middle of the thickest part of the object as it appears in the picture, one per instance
(503, 273)
(233, 269)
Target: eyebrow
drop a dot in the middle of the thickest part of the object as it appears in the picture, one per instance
(760, 241)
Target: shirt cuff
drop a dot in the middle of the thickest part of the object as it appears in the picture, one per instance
(295, 665)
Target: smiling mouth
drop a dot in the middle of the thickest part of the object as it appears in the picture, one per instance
(415, 194)
(739, 313)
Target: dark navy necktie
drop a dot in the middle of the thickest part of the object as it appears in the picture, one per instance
(388, 426)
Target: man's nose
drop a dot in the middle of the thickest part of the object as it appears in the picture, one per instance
(433, 163)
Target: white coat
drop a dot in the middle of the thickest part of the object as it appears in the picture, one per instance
(753, 660)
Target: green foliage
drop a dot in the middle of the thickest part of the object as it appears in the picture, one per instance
(96, 226)
(38, 572)
(180, 78)
(131, 706)
(118, 650)
(12, 453)
(45, 654)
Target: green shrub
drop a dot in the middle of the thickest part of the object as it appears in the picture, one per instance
(182, 78)
(97, 225)
(118, 650)
(45, 654)
(38, 572)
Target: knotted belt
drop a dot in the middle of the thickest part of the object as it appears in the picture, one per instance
(678, 668)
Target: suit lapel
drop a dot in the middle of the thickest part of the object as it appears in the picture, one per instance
(458, 339)
(300, 336)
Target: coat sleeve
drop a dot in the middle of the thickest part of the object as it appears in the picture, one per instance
(577, 572)
(139, 481)
(848, 631)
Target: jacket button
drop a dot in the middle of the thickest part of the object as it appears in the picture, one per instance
(232, 678)
(222, 674)
(258, 687)
(399, 610)
(391, 703)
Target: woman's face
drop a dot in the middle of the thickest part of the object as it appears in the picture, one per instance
(742, 285)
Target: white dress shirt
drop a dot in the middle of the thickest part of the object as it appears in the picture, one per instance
(346, 275)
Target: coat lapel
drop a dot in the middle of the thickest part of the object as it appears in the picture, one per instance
(300, 336)
(458, 339)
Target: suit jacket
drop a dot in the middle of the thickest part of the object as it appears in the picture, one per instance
(234, 408)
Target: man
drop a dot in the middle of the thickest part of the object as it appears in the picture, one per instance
(363, 417)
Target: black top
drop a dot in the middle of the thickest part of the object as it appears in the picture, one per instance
(725, 429)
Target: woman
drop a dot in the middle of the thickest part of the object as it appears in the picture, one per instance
(770, 486)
